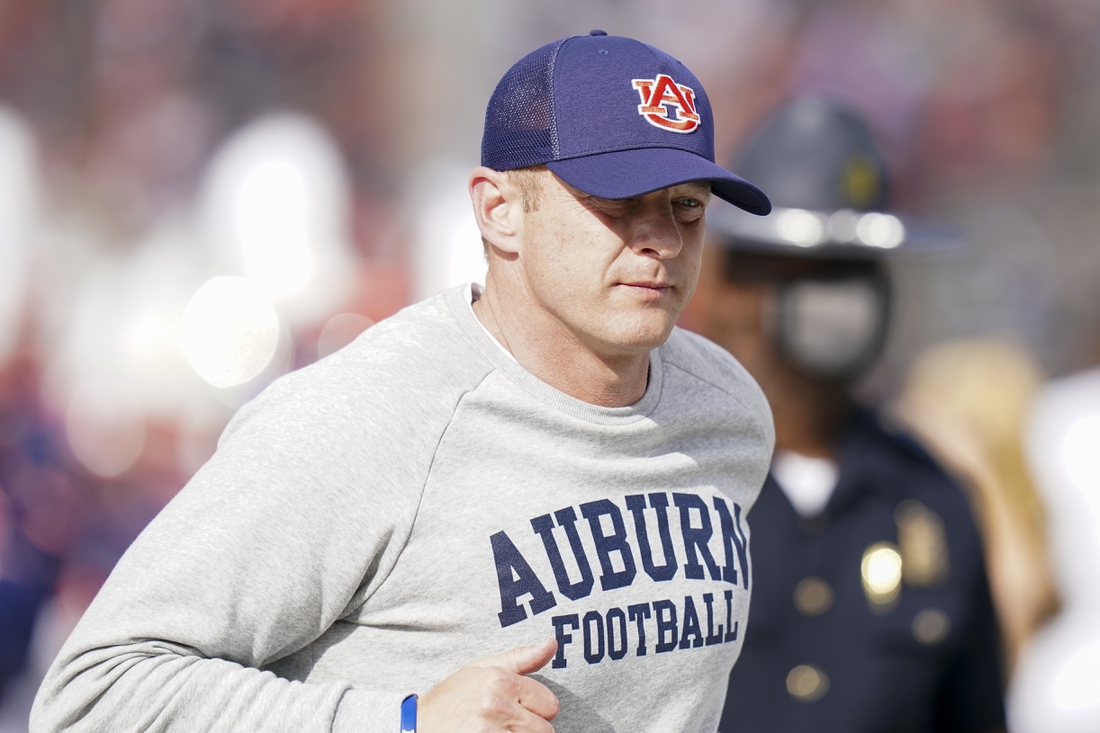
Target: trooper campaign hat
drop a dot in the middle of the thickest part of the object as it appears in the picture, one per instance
(821, 249)
(612, 117)
(828, 180)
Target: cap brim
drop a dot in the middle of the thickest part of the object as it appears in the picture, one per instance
(625, 173)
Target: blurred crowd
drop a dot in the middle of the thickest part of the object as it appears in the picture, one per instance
(197, 196)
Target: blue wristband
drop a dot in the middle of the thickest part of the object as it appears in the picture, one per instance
(408, 714)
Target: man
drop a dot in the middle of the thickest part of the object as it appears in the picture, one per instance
(543, 470)
(870, 610)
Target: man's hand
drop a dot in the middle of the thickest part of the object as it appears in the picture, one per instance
(492, 695)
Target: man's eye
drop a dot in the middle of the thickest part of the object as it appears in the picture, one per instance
(690, 210)
(691, 206)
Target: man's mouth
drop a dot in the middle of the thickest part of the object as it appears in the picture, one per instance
(649, 285)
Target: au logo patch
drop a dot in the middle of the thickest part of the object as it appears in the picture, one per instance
(666, 104)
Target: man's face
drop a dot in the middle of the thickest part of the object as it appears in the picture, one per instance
(615, 273)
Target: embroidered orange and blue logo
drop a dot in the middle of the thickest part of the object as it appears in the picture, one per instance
(666, 104)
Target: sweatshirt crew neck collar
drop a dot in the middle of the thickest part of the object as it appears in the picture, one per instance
(458, 300)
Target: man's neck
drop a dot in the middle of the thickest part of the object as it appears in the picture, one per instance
(548, 350)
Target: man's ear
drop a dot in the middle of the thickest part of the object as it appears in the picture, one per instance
(498, 208)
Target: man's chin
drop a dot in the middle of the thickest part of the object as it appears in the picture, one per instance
(641, 335)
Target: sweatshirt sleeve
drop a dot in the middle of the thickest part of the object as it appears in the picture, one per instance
(293, 523)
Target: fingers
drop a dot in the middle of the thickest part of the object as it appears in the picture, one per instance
(515, 663)
(487, 699)
(523, 659)
(493, 694)
(534, 696)
(516, 704)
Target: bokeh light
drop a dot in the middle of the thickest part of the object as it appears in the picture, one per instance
(274, 208)
(229, 331)
(931, 626)
(883, 231)
(19, 200)
(881, 570)
(105, 427)
(807, 683)
(1076, 686)
(152, 335)
(273, 226)
(1081, 453)
(803, 228)
(813, 596)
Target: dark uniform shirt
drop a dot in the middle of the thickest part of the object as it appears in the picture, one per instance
(875, 616)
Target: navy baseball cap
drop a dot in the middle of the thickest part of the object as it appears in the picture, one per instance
(612, 117)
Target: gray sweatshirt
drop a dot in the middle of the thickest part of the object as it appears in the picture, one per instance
(416, 501)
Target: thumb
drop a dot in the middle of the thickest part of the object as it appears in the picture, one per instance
(522, 659)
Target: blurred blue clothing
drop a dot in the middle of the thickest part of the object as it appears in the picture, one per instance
(19, 606)
(893, 667)
(28, 581)
(28, 574)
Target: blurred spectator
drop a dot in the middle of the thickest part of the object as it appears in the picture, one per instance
(1057, 685)
(970, 401)
(40, 508)
(870, 609)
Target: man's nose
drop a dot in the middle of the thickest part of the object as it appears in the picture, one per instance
(656, 232)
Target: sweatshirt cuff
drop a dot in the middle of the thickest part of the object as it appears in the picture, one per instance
(360, 711)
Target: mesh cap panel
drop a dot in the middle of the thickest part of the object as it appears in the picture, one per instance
(519, 121)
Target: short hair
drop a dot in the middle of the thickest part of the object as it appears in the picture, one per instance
(529, 182)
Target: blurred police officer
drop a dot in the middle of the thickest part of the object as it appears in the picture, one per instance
(871, 610)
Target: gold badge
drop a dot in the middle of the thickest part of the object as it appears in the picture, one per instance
(881, 570)
(813, 596)
(807, 683)
(923, 541)
(931, 626)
